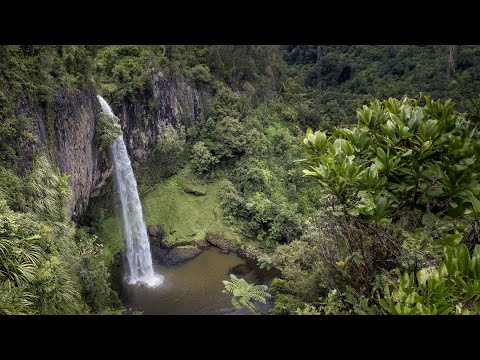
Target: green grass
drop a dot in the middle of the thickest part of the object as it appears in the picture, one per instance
(110, 236)
(184, 216)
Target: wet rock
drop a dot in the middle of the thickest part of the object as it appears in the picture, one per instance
(165, 244)
(202, 244)
(155, 230)
(246, 254)
(157, 237)
(175, 255)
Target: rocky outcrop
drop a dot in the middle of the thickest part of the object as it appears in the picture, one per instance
(193, 191)
(75, 150)
(156, 234)
(221, 243)
(164, 102)
(175, 255)
(158, 239)
(65, 132)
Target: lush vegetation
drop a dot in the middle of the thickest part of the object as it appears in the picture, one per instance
(382, 220)
(47, 265)
(402, 188)
(108, 129)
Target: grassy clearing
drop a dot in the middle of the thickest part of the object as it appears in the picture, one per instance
(183, 215)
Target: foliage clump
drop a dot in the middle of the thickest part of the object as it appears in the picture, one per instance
(46, 266)
(108, 129)
(245, 294)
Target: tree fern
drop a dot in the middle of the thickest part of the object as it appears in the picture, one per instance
(244, 294)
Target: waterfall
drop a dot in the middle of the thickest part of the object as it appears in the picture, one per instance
(138, 247)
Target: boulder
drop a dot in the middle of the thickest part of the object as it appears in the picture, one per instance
(176, 255)
(157, 237)
(202, 244)
(155, 230)
(219, 242)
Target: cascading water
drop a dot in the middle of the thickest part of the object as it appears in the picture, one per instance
(138, 247)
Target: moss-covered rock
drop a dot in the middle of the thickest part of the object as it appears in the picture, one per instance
(221, 243)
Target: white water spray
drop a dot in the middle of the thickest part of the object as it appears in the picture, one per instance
(138, 247)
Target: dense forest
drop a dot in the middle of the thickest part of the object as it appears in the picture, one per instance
(353, 171)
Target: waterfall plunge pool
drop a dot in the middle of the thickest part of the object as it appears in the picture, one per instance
(194, 287)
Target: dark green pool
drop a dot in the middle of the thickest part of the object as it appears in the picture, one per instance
(194, 287)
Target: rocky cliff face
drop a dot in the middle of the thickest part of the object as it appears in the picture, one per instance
(76, 151)
(65, 132)
(72, 143)
(165, 102)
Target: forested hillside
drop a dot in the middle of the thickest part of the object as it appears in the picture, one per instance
(352, 170)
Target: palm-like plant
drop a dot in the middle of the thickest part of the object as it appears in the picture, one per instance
(47, 191)
(244, 294)
(15, 301)
(20, 248)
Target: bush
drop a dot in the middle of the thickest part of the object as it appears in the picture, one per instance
(400, 156)
(453, 287)
(169, 151)
(200, 75)
(11, 189)
(202, 160)
(108, 129)
(404, 186)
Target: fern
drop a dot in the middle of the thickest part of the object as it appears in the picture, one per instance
(244, 294)
(265, 262)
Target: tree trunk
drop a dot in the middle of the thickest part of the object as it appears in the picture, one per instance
(452, 52)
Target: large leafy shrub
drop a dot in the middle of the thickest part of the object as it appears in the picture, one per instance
(401, 155)
(405, 186)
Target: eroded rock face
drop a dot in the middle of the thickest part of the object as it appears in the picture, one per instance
(65, 130)
(157, 236)
(164, 102)
(76, 152)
